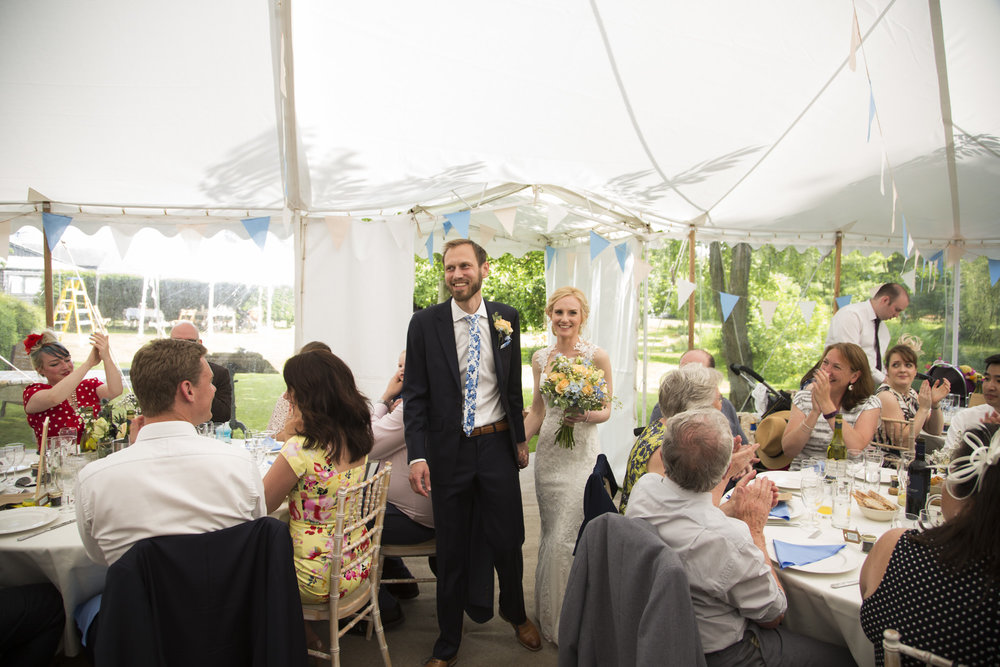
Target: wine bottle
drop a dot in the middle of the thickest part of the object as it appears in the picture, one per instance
(918, 480)
(837, 450)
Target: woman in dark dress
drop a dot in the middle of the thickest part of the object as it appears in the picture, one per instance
(940, 589)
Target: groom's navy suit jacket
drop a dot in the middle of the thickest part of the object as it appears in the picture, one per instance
(433, 392)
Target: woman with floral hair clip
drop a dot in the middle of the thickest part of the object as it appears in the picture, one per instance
(901, 402)
(940, 587)
(66, 389)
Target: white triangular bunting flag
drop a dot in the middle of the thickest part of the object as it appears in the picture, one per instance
(556, 215)
(401, 229)
(852, 61)
(4, 240)
(955, 252)
(35, 197)
(807, 308)
(486, 234)
(684, 291)
(881, 176)
(767, 309)
(640, 271)
(910, 279)
(338, 226)
(122, 241)
(909, 244)
(192, 236)
(894, 206)
(506, 218)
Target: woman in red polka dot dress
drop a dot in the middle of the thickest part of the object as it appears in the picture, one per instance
(67, 389)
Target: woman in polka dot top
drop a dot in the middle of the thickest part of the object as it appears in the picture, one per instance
(940, 588)
(67, 389)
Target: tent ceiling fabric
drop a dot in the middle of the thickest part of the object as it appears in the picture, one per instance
(639, 117)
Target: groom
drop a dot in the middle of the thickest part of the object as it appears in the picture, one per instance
(465, 435)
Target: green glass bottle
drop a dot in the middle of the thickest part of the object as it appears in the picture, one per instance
(837, 450)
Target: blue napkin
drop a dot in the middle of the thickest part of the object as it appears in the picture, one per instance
(273, 444)
(802, 554)
(781, 511)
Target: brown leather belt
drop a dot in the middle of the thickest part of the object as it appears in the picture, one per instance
(496, 427)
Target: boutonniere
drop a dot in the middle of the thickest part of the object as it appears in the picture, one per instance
(504, 329)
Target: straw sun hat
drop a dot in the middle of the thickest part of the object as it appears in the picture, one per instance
(769, 432)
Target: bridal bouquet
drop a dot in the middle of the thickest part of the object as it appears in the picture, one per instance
(575, 385)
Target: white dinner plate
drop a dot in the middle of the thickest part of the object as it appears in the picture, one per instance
(25, 518)
(18, 468)
(887, 474)
(794, 509)
(785, 479)
(845, 560)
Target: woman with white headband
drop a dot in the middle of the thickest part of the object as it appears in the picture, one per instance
(940, 588)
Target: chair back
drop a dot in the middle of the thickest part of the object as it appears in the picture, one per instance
(229, 597)
(893, 648)
(357, 539)
(623, 582)
(944, 371)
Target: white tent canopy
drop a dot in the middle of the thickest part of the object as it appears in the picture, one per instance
(631, 118)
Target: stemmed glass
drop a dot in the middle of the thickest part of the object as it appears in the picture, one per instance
(6, 456)
(811, 490)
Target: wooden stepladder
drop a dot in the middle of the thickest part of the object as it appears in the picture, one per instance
(74, 307)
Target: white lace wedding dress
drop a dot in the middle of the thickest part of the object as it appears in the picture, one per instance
(560, 476)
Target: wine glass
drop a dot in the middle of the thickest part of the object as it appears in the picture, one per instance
(811, 491)
(6, 455)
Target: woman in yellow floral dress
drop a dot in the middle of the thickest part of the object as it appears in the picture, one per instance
(332, 423)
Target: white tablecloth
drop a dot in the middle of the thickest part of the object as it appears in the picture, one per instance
(814, 608)
(57, 556)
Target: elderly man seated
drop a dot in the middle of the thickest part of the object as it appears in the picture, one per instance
(737, 598)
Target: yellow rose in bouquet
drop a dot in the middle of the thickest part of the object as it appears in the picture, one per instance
(575, 385)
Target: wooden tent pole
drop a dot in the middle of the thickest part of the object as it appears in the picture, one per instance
(836, 270)
(47, 264)
(691, 279)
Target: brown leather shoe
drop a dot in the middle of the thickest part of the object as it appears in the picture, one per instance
(438, 662)
(527, 635)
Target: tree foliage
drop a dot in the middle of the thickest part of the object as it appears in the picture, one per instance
(19, 319)
(515, 281)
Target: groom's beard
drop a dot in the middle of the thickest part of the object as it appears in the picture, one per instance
(465, 293)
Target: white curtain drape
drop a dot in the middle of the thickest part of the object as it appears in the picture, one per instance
(357, 298)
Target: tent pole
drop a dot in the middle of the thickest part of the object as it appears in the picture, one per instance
(691, 279)
(956, 302)
(47, 268)
(836, 270)
(645, 331)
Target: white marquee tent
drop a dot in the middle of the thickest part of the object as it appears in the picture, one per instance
(356, 126)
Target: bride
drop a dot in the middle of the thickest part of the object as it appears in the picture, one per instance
(560, 474)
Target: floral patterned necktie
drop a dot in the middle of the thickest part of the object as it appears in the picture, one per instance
(471, 376)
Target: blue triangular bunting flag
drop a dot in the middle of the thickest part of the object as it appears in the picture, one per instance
(430, 247)
(447, 226)
(621, 251)
(54, 226)
(994, 271)
(906, 239)
(938, 258)
(550, 254)
(257, 229)
(871, 110)
(461, 222)
(597, 244)
(843, 300)
(728, 303)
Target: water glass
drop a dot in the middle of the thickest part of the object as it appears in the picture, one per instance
(855, 463)
(873, 468)
(842, 503)
(811, 491)
(826, 502)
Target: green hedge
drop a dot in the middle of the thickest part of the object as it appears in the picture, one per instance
(19, 320)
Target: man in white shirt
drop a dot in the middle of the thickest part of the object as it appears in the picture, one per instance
(171, 481)
(737, 598)
(863, 324)
(986, 413)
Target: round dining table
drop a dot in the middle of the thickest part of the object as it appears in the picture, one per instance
(55, 553)
(824, 598)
